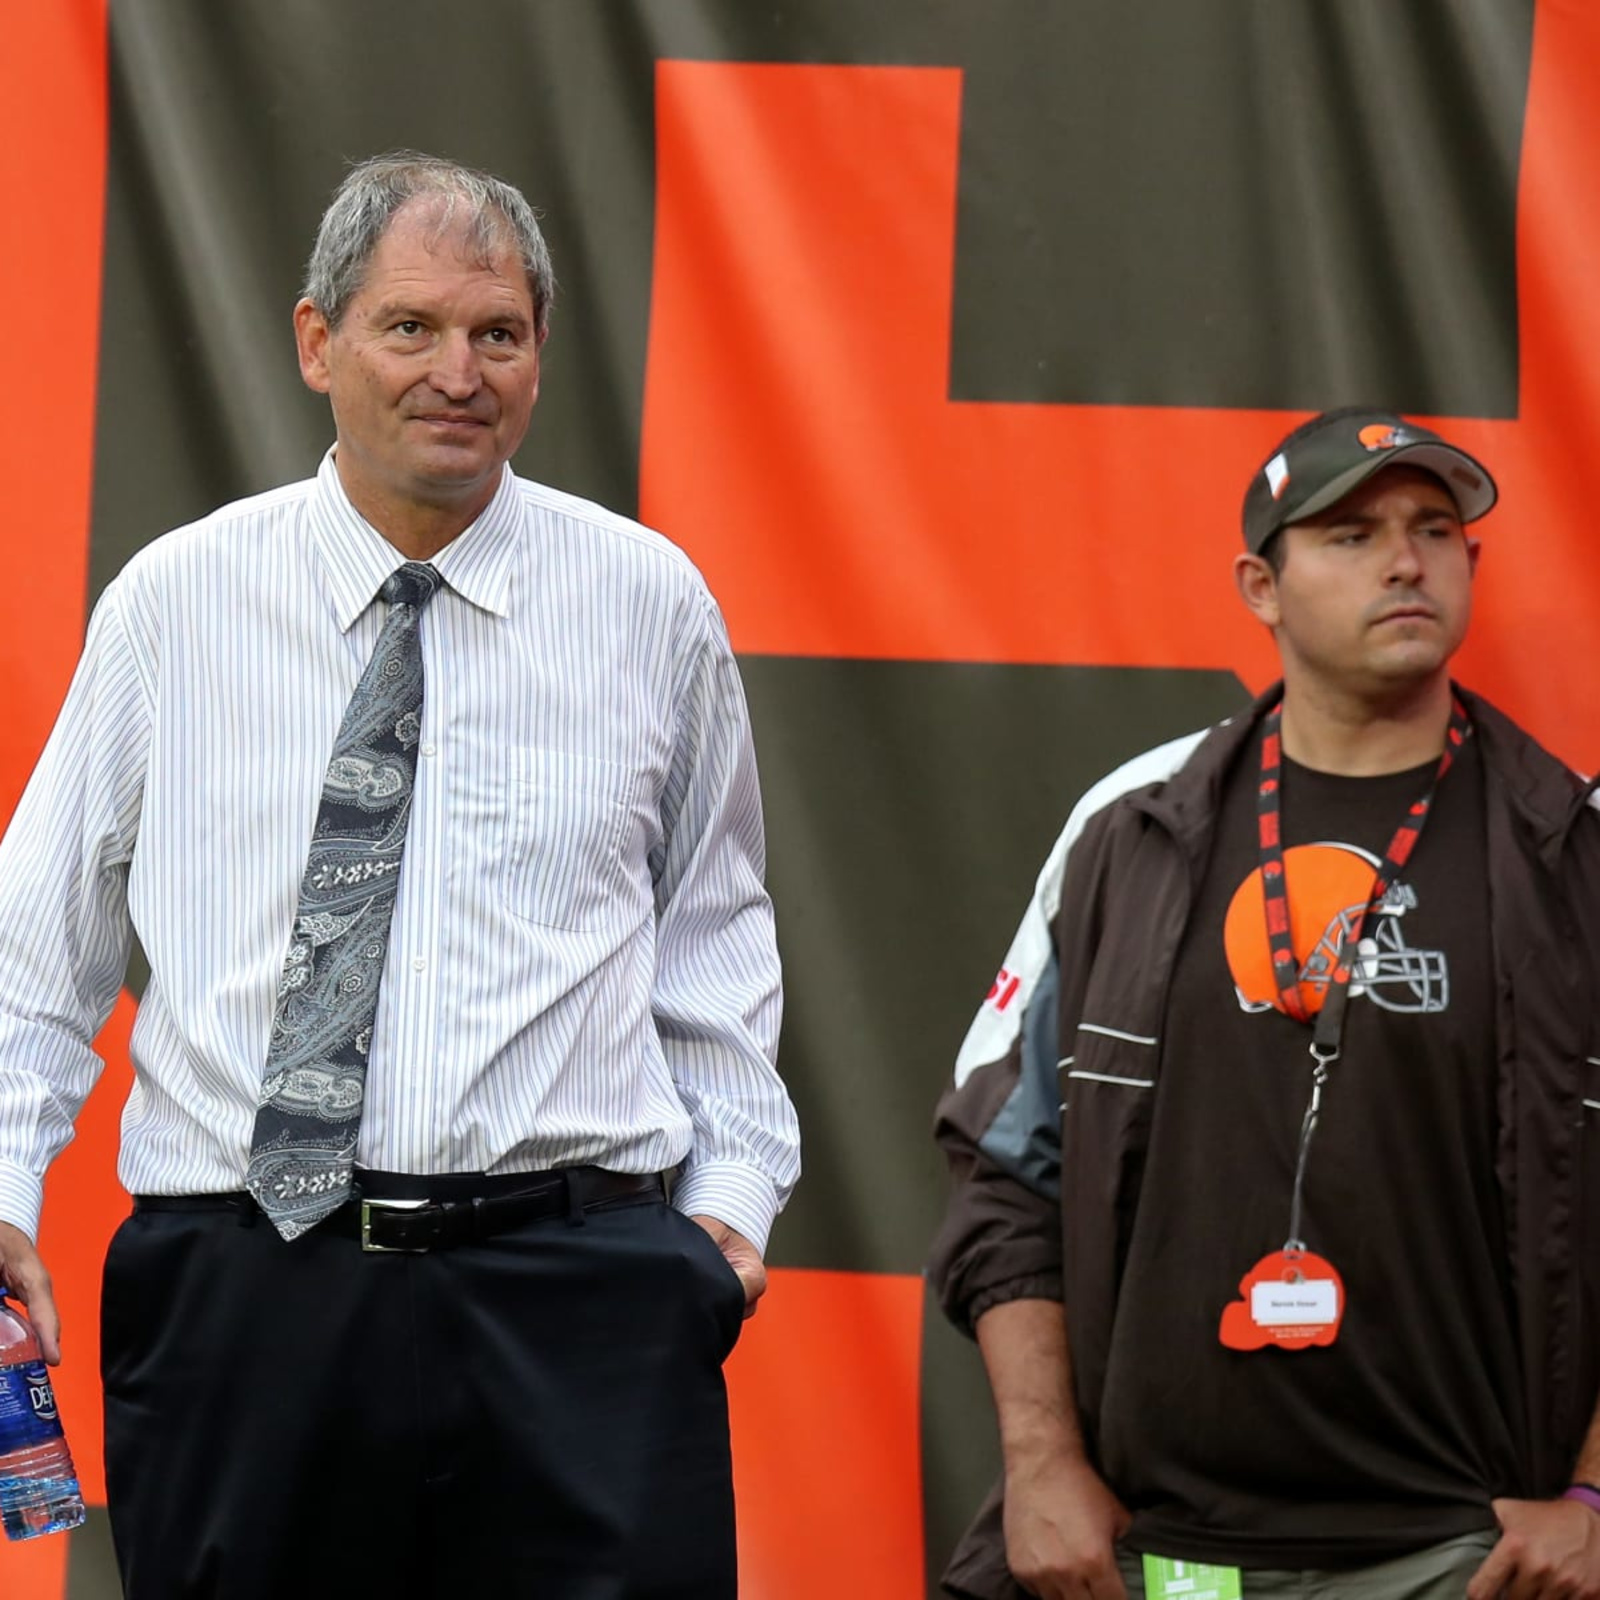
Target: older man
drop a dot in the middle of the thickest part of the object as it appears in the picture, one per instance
(430, 795)
(1278, 1167)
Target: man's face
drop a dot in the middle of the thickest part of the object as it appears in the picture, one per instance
(432, 372)
(1375, 593)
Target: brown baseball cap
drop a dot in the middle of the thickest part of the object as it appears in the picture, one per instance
(1318, 464)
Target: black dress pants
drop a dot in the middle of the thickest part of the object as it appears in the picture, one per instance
(539, 1415)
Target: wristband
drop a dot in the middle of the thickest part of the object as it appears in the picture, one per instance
(1587, 1493)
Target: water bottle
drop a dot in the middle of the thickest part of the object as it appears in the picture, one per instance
(38, 1483)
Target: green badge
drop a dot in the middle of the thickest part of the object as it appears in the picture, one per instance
(1188, 1580)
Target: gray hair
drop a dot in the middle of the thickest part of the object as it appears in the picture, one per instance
(490, 212)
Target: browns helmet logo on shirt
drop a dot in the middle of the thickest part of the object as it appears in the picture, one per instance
(1329, 886)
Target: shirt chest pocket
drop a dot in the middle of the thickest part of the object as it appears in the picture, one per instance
(568, 818)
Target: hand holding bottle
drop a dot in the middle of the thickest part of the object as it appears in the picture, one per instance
(38, 1483)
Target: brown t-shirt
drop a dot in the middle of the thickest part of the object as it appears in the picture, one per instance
(1398, 1434)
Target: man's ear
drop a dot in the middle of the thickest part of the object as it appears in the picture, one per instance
(1474, 550)
(311, 335)
(1257, 584)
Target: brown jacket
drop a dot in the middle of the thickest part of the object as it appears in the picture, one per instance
(1047, 1126)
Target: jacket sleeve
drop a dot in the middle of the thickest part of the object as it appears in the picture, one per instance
(1000, 1122)
(999, 1127)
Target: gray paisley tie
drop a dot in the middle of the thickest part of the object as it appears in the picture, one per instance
(304, 1144)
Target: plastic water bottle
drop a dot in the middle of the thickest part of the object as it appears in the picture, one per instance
(38, 1483)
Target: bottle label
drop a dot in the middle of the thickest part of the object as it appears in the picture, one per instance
(27, 1407)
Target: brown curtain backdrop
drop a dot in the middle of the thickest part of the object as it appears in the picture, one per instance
(943, 337)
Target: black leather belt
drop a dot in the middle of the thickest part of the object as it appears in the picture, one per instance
(411, 1223)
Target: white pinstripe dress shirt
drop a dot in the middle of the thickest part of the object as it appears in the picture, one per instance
(581, 966)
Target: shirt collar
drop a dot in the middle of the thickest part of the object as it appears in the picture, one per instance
(477, 564)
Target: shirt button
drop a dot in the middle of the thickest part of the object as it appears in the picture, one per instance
(419, 964)
(429, 748)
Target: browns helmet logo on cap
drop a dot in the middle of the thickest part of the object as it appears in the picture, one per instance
(1384, 436)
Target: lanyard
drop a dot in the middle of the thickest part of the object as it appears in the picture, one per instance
(1328, 1030)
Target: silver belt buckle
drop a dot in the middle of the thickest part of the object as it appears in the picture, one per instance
(368, 1207)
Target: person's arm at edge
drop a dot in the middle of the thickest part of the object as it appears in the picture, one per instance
(1552, 1547)
(64, 938)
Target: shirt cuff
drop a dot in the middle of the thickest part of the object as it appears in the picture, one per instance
(740, 1197)
(21, 1199)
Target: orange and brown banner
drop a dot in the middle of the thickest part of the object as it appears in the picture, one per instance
(944, 337)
